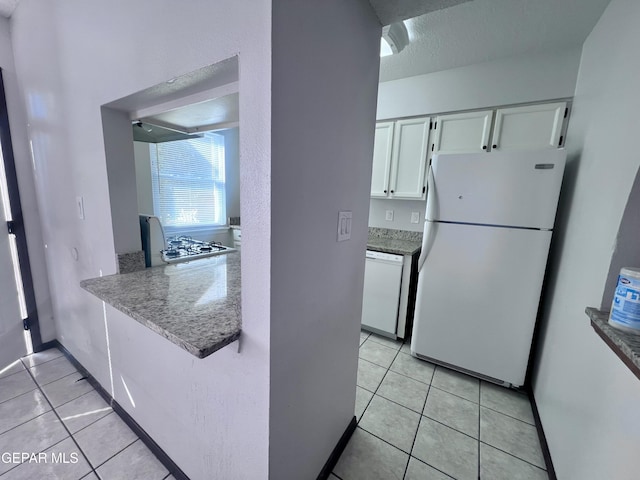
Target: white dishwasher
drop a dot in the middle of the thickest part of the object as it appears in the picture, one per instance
(381, 294)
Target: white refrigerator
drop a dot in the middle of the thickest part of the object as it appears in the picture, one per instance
(488, 227)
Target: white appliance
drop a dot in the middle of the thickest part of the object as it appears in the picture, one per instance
(488, 227)
(153, 240)
(381, 295)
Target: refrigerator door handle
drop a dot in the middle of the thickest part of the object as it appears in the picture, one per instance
(429, 226)
(432, 197)
(428, 236)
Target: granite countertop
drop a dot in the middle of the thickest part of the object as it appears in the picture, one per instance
(400, 242)
(393, 245)
(625, 345)
(195, 305)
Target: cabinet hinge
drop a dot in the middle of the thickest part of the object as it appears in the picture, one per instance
(11, 226)
(560, 143)
(566, 111)
(26, 324)
(424, 189)
(435, 126)
(432, 147)
(430, 125)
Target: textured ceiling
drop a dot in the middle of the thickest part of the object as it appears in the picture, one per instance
(389, 12)
(473, 31)
(484, 30)
(7, 7)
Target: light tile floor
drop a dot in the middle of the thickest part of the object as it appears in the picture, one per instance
(47, 409)
(417, 421)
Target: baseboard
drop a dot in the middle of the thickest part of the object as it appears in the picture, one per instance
(335, 454)
(131, 423)
(543, 439)
(46, 346)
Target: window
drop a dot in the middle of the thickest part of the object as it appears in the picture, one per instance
(188, 182)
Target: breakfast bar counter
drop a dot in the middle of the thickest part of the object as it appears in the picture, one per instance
(195, 305)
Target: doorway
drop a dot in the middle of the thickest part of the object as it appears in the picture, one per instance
(19, 326)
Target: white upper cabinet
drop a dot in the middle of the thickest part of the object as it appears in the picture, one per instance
(400, 159)
(409, 159)
(528, 128)
(462, 132)
(382, 149)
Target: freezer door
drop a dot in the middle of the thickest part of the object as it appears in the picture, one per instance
(515, 189)
(477, 298)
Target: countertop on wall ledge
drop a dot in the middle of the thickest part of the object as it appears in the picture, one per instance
(400, 242)
(195, 305)
(625, 345)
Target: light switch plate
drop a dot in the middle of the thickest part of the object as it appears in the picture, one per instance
(415, 217)
(80, 206)
(344, 225)
(389, 215)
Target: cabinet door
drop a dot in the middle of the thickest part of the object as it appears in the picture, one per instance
(409, 158)
(462, 132)
(528, 128)
(381, 159)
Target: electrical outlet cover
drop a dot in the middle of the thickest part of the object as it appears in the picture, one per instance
(389, 215)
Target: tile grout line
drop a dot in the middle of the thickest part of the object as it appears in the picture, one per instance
(514, 456)
(14, 373)
(62, 423)
(41, 363)
(20, 424)
(510, 416)
(415, 436)
(47, 448)
(53, 381)
(402, 374)
(79, 396)
(452, 428)
(431, 466)
(429, 385)
(374, 394)
(479, 425)
(89, 424)
(478, 404)
(19, 395)
(118, 453)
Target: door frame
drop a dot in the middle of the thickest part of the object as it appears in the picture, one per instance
(16, 226)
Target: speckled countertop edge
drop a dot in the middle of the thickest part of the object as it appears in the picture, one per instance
(400, 242)
(199, 330)
(625, 345)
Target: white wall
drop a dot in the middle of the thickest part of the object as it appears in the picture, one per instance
(587, 398)
(522, 79)
(94, 52)
(324, 92)
(526, 78)
(25, 173)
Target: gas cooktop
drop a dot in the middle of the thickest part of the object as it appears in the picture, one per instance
(184, 249)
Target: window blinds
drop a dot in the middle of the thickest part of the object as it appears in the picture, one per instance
(188, 182)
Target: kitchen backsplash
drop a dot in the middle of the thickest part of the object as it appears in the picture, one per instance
(397, 214)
